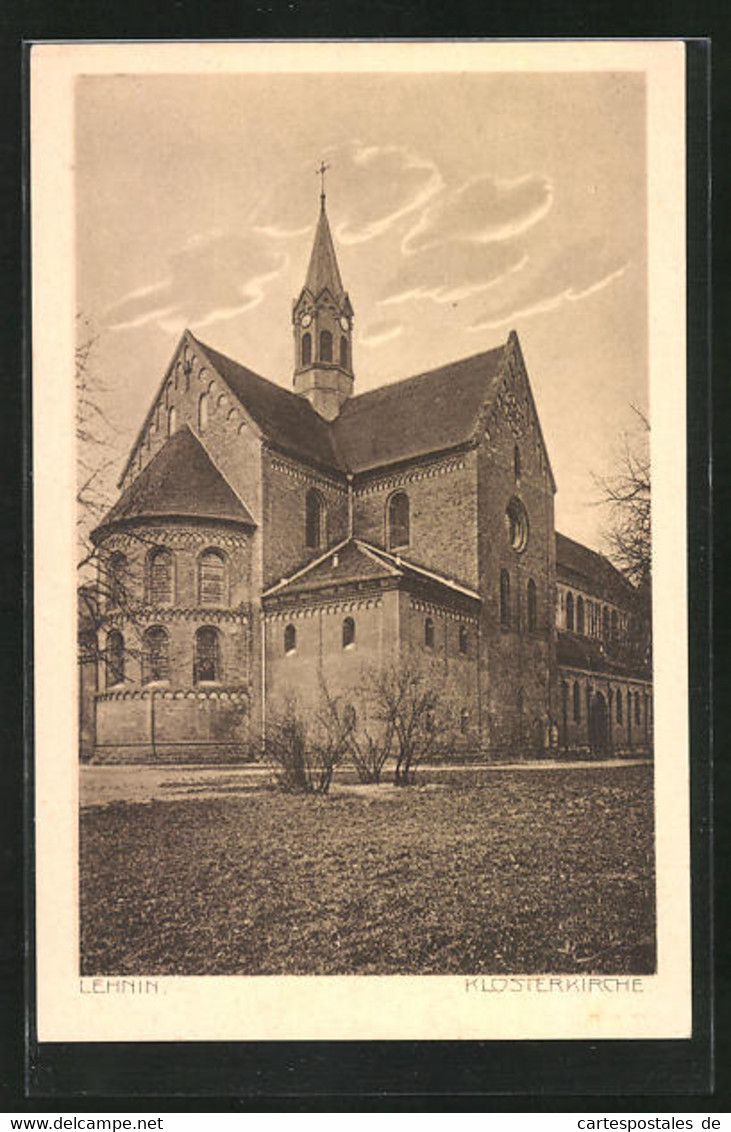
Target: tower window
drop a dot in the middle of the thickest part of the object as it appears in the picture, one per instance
(516, 522)
(314, 520)
(344, 352)
(570, 611)
(615, 625)
(580, 615)
(155, 654)
(398, 520)
(203, 412)
(306, 349)
(207, 663)
(115, 659)
(290, 638)
(464, 721)
(348, 632)
(605, 622)
(516, 462)
(637, 708)
(504, 599)
(172, 420)
(429, 633)
(326, 346)
(619, 705)
(577, 703)
(160, 566)
(463, 639)
(532, 606)
(211, 578)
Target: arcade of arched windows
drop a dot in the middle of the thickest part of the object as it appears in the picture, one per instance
(590, 617)
(603, 713)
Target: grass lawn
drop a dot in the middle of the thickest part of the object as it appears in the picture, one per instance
(519, 871)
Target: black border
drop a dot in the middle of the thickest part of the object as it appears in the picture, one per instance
(425, 1076)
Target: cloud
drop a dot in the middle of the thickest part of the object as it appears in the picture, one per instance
(484, 210)
(567, 275)
(370, 189)
(215, 275)
(453, 274)
(377, 333)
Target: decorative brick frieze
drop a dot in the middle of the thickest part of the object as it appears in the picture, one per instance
(315, 607)
(172, 615)
(395, 479)
(302, 474)
(238, 695)
(439, 610)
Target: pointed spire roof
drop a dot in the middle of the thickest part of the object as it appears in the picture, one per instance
(323, 270)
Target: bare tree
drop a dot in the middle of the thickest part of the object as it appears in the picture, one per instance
(370, 746)
(408, 702)
(304, 748)
(626, 494)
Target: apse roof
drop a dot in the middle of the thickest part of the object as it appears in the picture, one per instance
(180, 481)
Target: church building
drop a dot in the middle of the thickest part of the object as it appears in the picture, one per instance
(266, 540)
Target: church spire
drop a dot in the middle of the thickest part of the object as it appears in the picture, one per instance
(323, 325)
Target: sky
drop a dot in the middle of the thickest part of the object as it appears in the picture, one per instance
(462, 206)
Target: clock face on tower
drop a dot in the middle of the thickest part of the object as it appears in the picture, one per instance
(344, 323)
(306, 319)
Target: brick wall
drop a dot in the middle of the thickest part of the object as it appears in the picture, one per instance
(518, 663)
(286, 484)
(443, 513)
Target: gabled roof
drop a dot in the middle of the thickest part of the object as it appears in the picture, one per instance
(283, 417)
(323, 271)
(427, 413)
(354, 560)
(180, 481)
(577, 565)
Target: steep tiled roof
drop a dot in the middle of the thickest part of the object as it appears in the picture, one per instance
(284, 418)
(577, 565)
(181, 481)
(427, 413)
(355, 560)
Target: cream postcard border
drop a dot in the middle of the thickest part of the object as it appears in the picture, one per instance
(267, 1008)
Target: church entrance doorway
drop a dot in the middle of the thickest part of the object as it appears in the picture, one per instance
(599, 725)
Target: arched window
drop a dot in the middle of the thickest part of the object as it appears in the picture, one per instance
(348, 632)
(155, 654)
(114, 658)
(605, 622)
(615, 625)
(207, 661)
(516, 522)
(314, 520)
(172, 420)
(570, 611)
(290, 638)
(504, 598)
(326, 346)
(619, 706)
(532, 606)
(516, 462)
(398, 520)
(203, 412)
(464, 721)
(306, 349)
(637, 708)
(577, 703)
(117, 578)
(211, 578)
(463, 639)
(160, 576)
(429, 633)
(344, 352)
(580, 614)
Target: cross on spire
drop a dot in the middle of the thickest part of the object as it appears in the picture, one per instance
(321, 173)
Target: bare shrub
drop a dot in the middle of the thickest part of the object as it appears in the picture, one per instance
(409, 703)
(303, 748)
